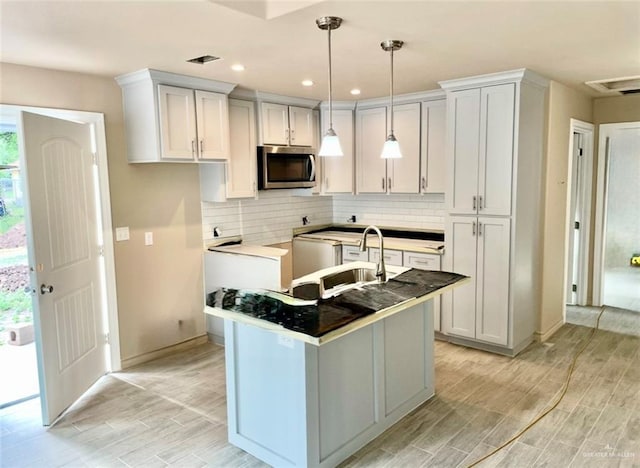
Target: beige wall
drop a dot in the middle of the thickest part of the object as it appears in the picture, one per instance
(564, 104)
(157, 285)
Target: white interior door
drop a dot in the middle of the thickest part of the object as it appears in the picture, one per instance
(64, 256)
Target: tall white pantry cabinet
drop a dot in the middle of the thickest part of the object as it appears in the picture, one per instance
(495, 148)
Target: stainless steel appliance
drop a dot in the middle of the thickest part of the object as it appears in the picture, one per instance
(286, 167)
(310, 255)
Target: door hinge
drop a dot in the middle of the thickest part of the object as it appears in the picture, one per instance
(574, 287)
(94, 157)
(106, 338)
(576, 224)
(101, 251)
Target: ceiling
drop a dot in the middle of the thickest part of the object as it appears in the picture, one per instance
(280, 45)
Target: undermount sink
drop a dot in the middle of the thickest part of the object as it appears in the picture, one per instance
(332, 284)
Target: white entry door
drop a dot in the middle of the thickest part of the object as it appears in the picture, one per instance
(64, 256)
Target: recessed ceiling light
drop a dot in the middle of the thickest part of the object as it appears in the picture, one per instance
(355, 91)
(203, 59)
(237, 67)
(307, 83)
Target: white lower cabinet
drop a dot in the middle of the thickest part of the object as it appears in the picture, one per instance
(425, 261)
(478, 247)
(352, 253)
(391, 257)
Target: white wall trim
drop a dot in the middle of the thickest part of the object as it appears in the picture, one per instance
(605, 133)
(585, 177)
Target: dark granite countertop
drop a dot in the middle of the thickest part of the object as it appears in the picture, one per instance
(316, 318)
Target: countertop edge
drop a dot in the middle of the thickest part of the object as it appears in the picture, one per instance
(335, 334)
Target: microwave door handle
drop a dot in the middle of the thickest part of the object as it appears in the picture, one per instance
(313, 167)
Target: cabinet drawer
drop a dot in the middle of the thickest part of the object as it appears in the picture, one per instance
(391, 257)
(351, 253)
(421, 261)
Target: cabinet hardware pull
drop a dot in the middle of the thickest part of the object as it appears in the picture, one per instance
(201, 147)
(193, 148)
(479, 229)
(389, 184)
(383, 184)
(473, 227)
(480, 202)
(474, 203)
(424, 183)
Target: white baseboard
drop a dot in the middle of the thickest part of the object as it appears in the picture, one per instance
(150, 356)
(542, 337)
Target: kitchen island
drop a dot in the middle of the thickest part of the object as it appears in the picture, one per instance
(309, 382)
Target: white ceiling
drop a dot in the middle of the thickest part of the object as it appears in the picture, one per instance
(280, 44)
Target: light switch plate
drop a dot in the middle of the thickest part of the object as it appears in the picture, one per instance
(148, 238)
(122, 233)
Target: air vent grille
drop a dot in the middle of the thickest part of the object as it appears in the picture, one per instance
(626, 85)
(203, 59)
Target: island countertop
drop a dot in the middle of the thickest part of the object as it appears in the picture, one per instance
(320, 321)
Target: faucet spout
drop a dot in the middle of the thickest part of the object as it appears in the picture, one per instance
(381, 270)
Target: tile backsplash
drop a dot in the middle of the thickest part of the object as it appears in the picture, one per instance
(267, 220)
(271, 218)
(401, 210)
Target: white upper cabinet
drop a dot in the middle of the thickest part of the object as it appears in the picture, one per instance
(286, 125)
(481, 135)
(433, 132)
(377, 175)
(338, 171)
(403, 174)
(194, 125)
(241, 168)
(371, 169)
(177, 123)
(212, 124)
(174, 118)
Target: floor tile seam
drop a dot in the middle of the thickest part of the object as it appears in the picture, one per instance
(173, 401)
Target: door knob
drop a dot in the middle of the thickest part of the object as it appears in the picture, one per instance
(44, 289)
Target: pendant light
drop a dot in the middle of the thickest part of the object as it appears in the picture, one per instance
(330, 144)
(391, 148)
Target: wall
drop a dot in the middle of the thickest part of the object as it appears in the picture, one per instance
(410, 211)
(157, 285)
(623, 211)
(270, 219)
(564, 104)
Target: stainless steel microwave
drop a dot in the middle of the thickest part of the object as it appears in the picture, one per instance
(282, 167)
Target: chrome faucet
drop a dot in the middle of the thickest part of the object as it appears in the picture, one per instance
(381, 270)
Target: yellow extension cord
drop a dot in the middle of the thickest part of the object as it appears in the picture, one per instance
(557, 402)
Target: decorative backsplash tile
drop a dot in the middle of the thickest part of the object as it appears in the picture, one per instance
(271, 218)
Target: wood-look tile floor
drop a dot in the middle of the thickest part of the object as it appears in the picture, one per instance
(171, 412)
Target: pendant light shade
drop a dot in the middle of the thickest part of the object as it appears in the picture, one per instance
(330, 144)
(391, 148)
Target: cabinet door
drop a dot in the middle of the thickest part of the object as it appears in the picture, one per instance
(177, 122)
(459, 305)
(212, 118)
(371, 129)
(241, 168)
(432, 164)
(300, 126)
(492, 312)
(275, 124)
(404, 174)
(338, 172)
(496, 149)
(463, 140)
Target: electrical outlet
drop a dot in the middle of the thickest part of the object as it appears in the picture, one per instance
(217, 232)
(305, 220)
(351, 219)
(148, 238)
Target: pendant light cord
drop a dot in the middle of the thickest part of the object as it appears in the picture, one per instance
(391, 92)
(330, 87)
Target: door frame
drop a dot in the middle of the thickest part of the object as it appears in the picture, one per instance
(585, 177)
(9, 113)
(605, 132)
